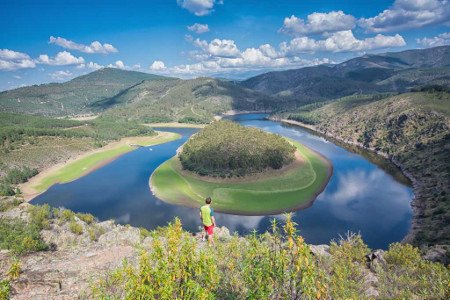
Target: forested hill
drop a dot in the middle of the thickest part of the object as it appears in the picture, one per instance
(194, 101)
(388, 72)
(413, 129)
(73, 97)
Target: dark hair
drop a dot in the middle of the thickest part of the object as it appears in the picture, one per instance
(208, 200)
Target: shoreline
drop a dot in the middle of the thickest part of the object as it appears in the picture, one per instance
(416, 184)
(30, 188)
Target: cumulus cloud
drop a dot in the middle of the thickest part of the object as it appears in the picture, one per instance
(157, 65)
(407, 14)
(118, 65)
(318, 23)
(90, 65)
(217, 47)
(60, 75)
(94, 47)
(199, 7)
(342, 41)
(440, 40)
(61, 59)
(12, 60)
(198, 28)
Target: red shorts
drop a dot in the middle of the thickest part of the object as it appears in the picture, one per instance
(209, 229)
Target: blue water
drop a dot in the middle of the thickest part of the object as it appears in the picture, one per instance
(361, 196)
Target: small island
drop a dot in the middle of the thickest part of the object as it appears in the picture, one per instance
(245, 170)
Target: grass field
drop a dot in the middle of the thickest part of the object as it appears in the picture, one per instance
(92, 161)
(296, 188)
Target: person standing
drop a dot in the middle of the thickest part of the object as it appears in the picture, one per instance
(208, 220)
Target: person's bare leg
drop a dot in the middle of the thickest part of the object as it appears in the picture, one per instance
(211, 239)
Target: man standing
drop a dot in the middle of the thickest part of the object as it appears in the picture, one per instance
(208, 220)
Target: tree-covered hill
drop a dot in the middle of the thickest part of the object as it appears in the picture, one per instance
(73, 97)
(227, 149)
(193, 101)
(414, 130)
(388, 72)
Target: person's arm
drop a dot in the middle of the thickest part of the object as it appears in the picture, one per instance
(212, 217)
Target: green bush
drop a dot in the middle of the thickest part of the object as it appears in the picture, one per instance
(76, 228)
(5, 289)
(41, 215)
(6, 204)
(87, 218)
(20, 237)
(6, 190)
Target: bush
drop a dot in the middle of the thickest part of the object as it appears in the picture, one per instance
(40, 216)
(6, 190)
(76, 228)
(5, 289)
(19, 237)
(14, 270)
(87, 218)
(6, 204)
(407, 275)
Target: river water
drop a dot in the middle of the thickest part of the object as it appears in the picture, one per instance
(365, 195)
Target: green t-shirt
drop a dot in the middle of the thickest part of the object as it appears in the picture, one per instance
(207, 212)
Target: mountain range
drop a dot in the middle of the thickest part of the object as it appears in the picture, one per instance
(148, 97)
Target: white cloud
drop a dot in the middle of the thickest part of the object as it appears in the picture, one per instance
(13, 60)
(408, 14)
(318, 23)
(199, 7)
(198, 28)
(17, 77)
(440, 40)
(118, 65)
(61, 59)
(94, 47)
(342, 41)
(217, 47)
(90, 65)
(60, 75)
(157, 65)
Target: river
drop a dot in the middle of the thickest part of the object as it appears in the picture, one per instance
(365, 195)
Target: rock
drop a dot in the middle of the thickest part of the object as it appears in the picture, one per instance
(320, 250)
(376, 260)
(120, 235)
(222, 233)
(438, 253)
(19, 212)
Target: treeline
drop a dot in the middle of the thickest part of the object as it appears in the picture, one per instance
(15, 176)
(16, 129)
(226, 149)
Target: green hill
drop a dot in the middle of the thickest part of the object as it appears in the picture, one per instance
(73, 97)
(196, 100)
(413, 129)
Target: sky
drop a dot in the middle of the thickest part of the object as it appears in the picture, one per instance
(55, 41)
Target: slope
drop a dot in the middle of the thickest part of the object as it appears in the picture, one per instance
(72, 97)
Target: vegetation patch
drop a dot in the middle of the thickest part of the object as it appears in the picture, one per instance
(293, 187)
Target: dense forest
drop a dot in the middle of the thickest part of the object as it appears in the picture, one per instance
(228, 149)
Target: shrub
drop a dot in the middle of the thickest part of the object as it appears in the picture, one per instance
(87, 218)
(65, 215)
(5, 289)
(95, 232)
(75, 227)
(408, 275)
(14, 270)
(40, 216)
(6, 190)
(19, 237)
(6, 204)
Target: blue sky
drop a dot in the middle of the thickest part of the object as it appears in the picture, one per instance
(46, 41)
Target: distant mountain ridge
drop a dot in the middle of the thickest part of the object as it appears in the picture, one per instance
(365, 74)
(74, 96)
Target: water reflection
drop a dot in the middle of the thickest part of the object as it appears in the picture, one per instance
(360, 197)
